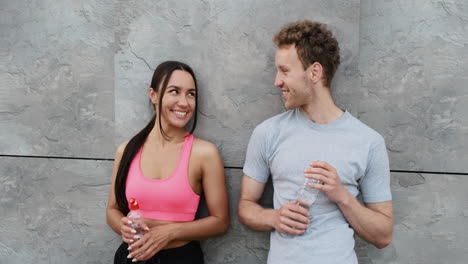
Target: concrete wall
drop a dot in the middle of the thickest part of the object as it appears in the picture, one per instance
(73, 82)
(414, 72)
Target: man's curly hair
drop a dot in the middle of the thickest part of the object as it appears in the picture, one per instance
(314, 43)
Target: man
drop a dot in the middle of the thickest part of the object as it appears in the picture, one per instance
(317, 140)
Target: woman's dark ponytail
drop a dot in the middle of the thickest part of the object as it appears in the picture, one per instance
(132, 148)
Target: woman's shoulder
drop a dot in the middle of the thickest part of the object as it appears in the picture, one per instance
(120, 149)
(203, 148)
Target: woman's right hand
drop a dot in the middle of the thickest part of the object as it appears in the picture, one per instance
(127, 231)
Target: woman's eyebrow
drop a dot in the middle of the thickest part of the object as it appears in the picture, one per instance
(177, 87)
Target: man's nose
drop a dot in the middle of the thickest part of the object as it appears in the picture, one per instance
(278, 81)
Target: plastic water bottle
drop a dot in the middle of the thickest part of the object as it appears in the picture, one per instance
(306, 193)
(136, 217)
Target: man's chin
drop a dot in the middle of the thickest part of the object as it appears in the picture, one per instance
(289, 106)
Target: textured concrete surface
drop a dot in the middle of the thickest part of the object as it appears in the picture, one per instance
(73, 82)
(414, 66)
(53, 211)
(56, 78)
(229, 45)
(240, 244)
(431, 213)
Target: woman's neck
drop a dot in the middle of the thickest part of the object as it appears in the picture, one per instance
(170, 136)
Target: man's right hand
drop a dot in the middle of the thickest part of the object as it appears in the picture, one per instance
(291, 218)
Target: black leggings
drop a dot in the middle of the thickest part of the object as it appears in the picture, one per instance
(190, 253)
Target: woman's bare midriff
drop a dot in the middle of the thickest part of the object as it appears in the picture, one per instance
(173, 244)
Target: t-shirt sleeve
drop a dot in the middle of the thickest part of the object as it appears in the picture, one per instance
(375, 184)
(256, 164)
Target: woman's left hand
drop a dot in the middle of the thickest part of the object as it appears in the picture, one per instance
(151, 243)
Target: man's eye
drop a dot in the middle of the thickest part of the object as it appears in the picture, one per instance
(192, 94)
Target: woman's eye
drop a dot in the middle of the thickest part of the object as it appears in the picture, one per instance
(173, 91)
(192, 94)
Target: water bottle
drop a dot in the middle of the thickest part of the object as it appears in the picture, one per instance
(136, 217)
(306, 193)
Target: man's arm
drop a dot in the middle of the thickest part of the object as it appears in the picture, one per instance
(290, 218)
(373, 222)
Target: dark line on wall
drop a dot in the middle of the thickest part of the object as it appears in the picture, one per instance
(238, 168)
(226, 167)
(429, 172)
(54, 157)
(399, 171)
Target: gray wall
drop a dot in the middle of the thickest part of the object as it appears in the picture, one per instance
(73, 82)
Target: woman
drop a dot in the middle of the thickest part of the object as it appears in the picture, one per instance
(165, 169)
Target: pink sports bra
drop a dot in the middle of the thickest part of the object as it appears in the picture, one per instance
(168, 199)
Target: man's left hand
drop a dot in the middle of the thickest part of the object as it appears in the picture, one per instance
(328, 176)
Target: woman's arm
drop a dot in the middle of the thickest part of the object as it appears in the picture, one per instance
(214, 189)
(115, 219)
(217, 223)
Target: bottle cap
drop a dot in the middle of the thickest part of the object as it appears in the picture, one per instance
(133, 204)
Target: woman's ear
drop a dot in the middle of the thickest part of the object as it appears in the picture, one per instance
(153, 96)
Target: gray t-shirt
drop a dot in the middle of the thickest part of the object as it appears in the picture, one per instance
(284, 145)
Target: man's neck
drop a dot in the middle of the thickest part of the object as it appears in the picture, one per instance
(322, 109)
